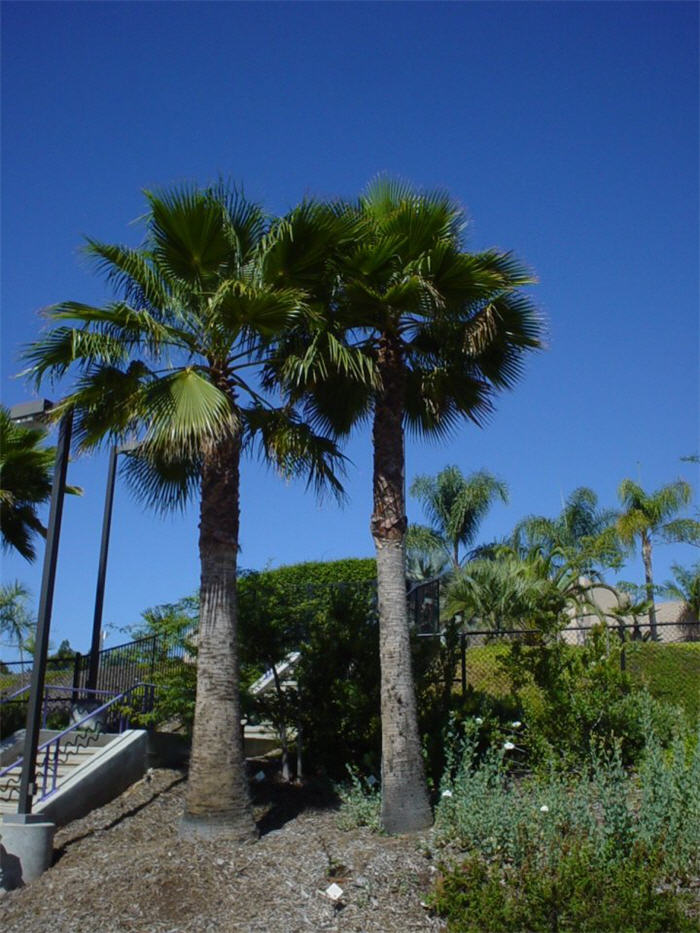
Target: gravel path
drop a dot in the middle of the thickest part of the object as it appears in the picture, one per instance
(124, 869)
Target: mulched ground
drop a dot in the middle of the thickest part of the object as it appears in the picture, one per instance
(124, 869)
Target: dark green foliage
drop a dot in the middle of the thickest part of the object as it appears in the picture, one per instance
(327, 612)
(316, 573)
(570, 892)
(173, 620)
(338, 679)
(64, 651)
(14, 717)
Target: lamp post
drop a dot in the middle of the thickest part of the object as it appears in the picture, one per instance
(31, 413)
(93, 669)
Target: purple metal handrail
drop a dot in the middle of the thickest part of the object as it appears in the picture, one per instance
(50, 772)
(5, 698)
(71, 690)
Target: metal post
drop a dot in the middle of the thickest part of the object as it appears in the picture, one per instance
(27, 787)
(77, 666)
(102, 573)
(463, 652)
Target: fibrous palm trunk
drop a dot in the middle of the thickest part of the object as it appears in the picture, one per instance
(218, 802)
(405, 804)
(649, 580)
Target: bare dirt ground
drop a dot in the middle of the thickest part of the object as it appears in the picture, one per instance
(124, 869)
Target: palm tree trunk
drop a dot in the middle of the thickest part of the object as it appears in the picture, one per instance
(405, 804)
(649, 578)
(218, 801)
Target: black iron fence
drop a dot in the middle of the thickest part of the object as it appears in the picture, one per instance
(146, 659)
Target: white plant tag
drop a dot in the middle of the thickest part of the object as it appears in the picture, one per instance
(334, 892)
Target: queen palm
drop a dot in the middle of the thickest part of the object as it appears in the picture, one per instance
(441, 331)
(582, 533)
(685, 587)
(455, 505)
(172, 360)
(15, 620)
(652, 515)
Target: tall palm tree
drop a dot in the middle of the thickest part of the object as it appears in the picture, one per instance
(26, 469)
(647, 516)
(455, 505)
(173, 360)
(441, 330)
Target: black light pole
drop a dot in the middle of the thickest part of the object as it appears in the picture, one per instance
(93, 669)
(27, 788)
(102, 572)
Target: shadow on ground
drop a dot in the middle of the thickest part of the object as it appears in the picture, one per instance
(276, 802)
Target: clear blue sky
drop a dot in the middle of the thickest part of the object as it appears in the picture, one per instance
(569, 131)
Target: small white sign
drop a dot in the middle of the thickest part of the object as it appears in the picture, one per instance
(334, 892)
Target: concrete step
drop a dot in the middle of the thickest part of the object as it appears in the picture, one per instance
(70, 759)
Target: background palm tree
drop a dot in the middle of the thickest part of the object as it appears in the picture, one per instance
(16, 623)
(26, 469)
(582, 533)
(647, 516)
(173, 360)
(455, 505)
(686, 589)
(441, 330)
(538, 591)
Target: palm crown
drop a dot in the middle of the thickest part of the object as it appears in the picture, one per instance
(583, 533)
(455, 506)
(456, 320)
(170, 360)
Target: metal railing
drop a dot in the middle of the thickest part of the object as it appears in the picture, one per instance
(141, 660)
(111, 717)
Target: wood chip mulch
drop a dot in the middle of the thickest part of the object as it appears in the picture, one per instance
(124, 869)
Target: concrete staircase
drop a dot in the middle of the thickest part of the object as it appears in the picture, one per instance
(74, 754)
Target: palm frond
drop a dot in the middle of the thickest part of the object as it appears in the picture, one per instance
(53, 354)
(163, 480)
(184, 412)
(131, 274)
(295, 448)
(681, 531)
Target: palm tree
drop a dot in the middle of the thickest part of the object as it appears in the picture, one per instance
(441, 330)
(455, 506)
(15, 620)
(647, 516)
(535, 591)
(506, 592)
(173, 361)
(686, 589)
(582, 533)
(26, 469)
